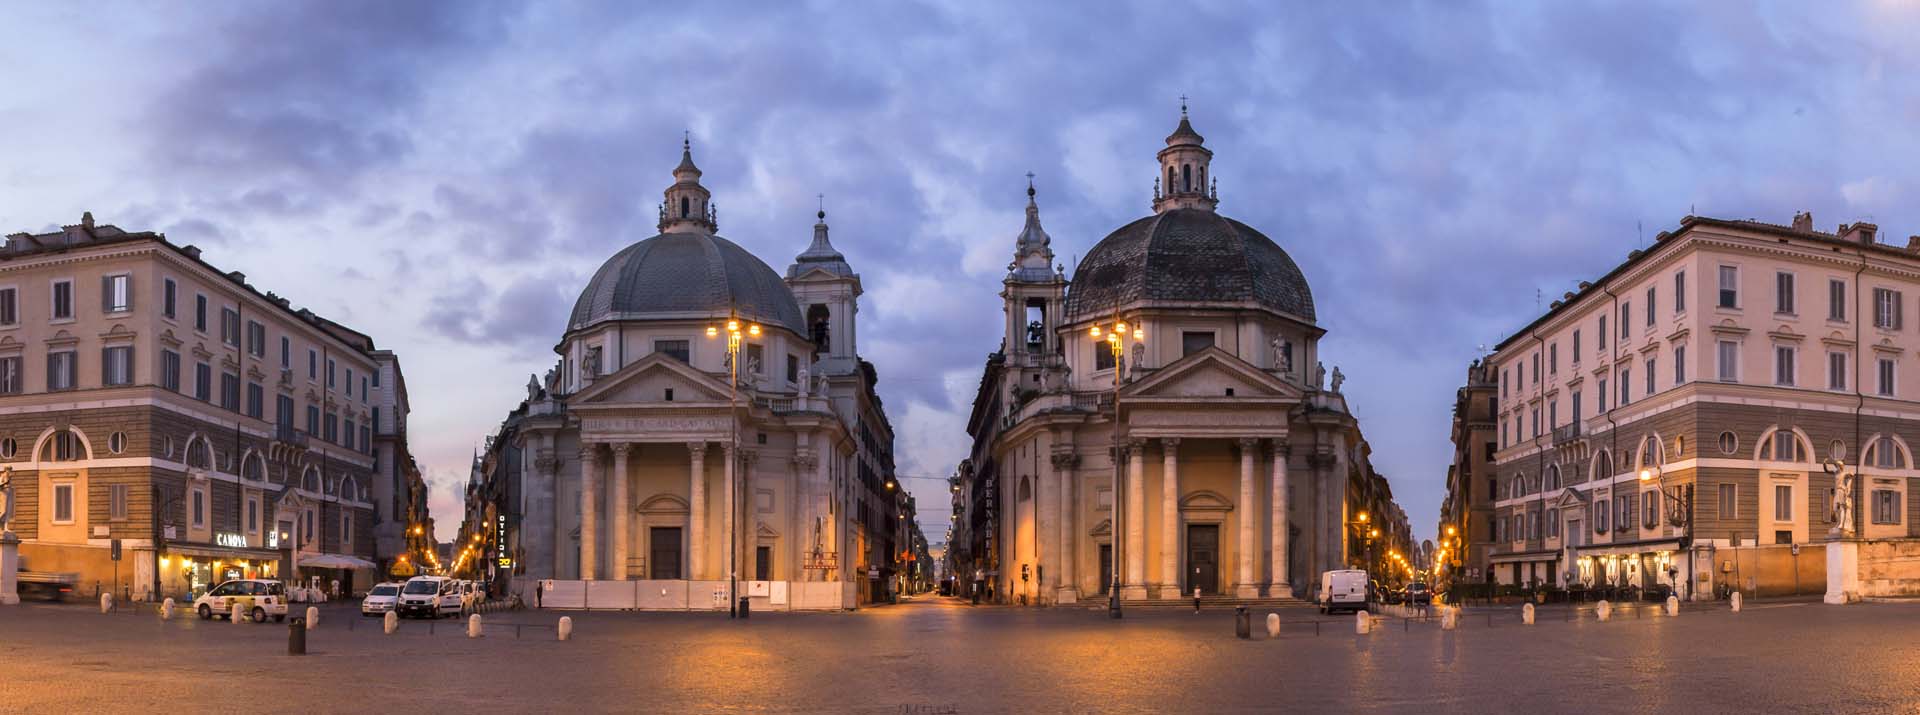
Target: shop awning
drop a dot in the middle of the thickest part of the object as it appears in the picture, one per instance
(1528, 557)
(222, 552)
(1637, 547)
(334, 561)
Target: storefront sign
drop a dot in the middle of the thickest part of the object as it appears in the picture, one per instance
(506, 563)
(229, 539)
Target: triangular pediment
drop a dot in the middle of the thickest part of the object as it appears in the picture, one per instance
(1212, 372)
(1205, 500)
(1568, 498)
(648, 379)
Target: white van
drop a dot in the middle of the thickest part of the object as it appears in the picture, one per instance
(430, 597)
(1343, 590)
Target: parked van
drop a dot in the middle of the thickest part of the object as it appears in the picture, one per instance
(1343, 590)
(430, 597)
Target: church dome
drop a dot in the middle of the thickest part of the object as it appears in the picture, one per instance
(681, 276)
(1188, 256)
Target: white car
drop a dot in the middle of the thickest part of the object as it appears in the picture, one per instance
(430, 597)
(257, 598)
(1343, 590)
(381, 599)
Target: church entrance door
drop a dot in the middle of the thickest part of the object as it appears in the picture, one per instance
(1203, 558)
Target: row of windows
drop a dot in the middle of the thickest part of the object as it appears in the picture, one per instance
(255, 403)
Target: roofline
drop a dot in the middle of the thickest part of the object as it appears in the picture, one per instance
(1687, 224)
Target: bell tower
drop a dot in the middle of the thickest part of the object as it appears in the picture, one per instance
(688, 207)
(828, 292)
(1035, 294)
(1184, 182)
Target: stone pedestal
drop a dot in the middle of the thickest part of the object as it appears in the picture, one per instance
(1843, 572)
(1246, 590)
(9, 569)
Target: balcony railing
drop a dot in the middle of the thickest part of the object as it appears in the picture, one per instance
(288, 435)
(1567, 433)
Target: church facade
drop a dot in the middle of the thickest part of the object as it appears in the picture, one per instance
(1160, 423)
(710, 432)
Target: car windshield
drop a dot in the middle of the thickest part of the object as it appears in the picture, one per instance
(383, 591)
(422, 587)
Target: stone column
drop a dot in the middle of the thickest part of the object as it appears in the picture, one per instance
(727, 492)
(618, 507)
(1170, 517)
(1245, 586)
(1135, 579)
(589, 509)
(697, 511)
(1063, 464)
(1280, 584)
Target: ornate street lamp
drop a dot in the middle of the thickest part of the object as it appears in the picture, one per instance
(735, 331)
(1116, 337)
(1679, 501)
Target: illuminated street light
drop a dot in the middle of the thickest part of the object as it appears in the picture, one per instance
(735, 334)
(1116, 339)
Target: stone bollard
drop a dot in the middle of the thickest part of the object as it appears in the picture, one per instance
(473, 626)
(106, 602)
(566, 628)
(1673, 605)
(1273, 625)
(1604, 611)
(1363, 623)
(390, 622)
(1526, 614)
(166, 610)
(313, 617)
(1449, 618)
(236, 615)
(1736, 599)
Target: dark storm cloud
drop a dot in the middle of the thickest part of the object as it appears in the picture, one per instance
(1429, 165)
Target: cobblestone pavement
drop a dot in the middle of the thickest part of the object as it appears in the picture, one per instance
(938, 656)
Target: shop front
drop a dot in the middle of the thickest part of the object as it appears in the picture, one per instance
(1638, 570)
(188, 570)
(335, 575)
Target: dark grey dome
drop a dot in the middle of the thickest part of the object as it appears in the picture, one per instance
(1188, 256)
(686, 276)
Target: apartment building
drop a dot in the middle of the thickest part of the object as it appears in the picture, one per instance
(157, 408)
(1466, 516)
(1666, 424)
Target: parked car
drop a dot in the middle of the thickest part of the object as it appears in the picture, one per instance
(1343, 590)
(1416, 594)
(430, 597)
(258, 598)
(380, 599)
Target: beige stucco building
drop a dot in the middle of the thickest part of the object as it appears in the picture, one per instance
(1211, 454)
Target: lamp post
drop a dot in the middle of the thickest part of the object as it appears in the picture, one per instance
(1116, 337)
(1679, 502)
(736, 331)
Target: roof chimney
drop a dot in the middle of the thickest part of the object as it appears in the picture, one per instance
(1859, 232)
(1803, 221)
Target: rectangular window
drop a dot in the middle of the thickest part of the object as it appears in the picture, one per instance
(63, 503)
(1576, 405)
(199, 508)
(62, 300)
(313, 364)
(286, 353)
(756, 361)
(366, 441)
(116, 365)
(116, 293)
(203, 382)
(230, 391)
(793, 370)
(1553, 358)
(200, 312)
(1650, 304)
(170, 370)
(1650, 375)
(1602, 332)
(376, 376)
(1783, 292)
(1576, 346)
(230, 326)
(1782, 502)
(346, 434)
(1729, 361)
(1783, 368)
(677, 349)
(256, 401)
(283, 411)
(313, 419)
(1886, 309)
(60, 370)
(1649, 510)
(346, 527)
(169, 293)
(350, 377)
(253, 516)
(1626, 321)
(332, 428)
(331, 371)
(1192, 342)
(9, 306)
(1626, 385)
(256, 339)
(363, 388)
(11, 382)
(1535, 415)
(1836, 300)
(1536, 368)
(1600, 394)
(1837, 371)
(117, 502)
(1729, 287)
(1680, 292)
(1103, 360)
(374, 421)
(1679, 364)
(1886, 506)
(1885, 385)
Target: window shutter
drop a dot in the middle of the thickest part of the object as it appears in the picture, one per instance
(106, 294)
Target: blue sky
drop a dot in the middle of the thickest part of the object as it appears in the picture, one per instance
(445, 176)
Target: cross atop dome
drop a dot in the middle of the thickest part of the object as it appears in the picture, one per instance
(1183, 182)
(688, 207)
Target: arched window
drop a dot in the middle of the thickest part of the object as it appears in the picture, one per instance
(1603, 465)
(818, 325)
(1783, 445)
(1883, 453)
(63, 446)
(348, 489)
(1518, 487)
(310, 480)
(199, 454)
(253, 467)
(1171, 182)
(686, 208)
(1186, 177)
(1553, 477)
(1651, 451)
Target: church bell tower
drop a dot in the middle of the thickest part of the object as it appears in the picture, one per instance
(1035, 294)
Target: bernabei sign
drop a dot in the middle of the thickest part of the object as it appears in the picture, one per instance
(230, 539)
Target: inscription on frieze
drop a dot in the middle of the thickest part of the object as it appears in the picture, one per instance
(646, 425)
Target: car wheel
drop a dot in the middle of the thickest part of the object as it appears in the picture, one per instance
(206, 614)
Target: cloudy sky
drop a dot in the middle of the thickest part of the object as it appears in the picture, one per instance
(445, 176)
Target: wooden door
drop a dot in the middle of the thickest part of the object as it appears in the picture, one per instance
(1203, 558)
(663, 553)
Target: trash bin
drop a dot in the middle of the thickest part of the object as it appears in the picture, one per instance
(1242, 623)
(296, 636)
(745, 606)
